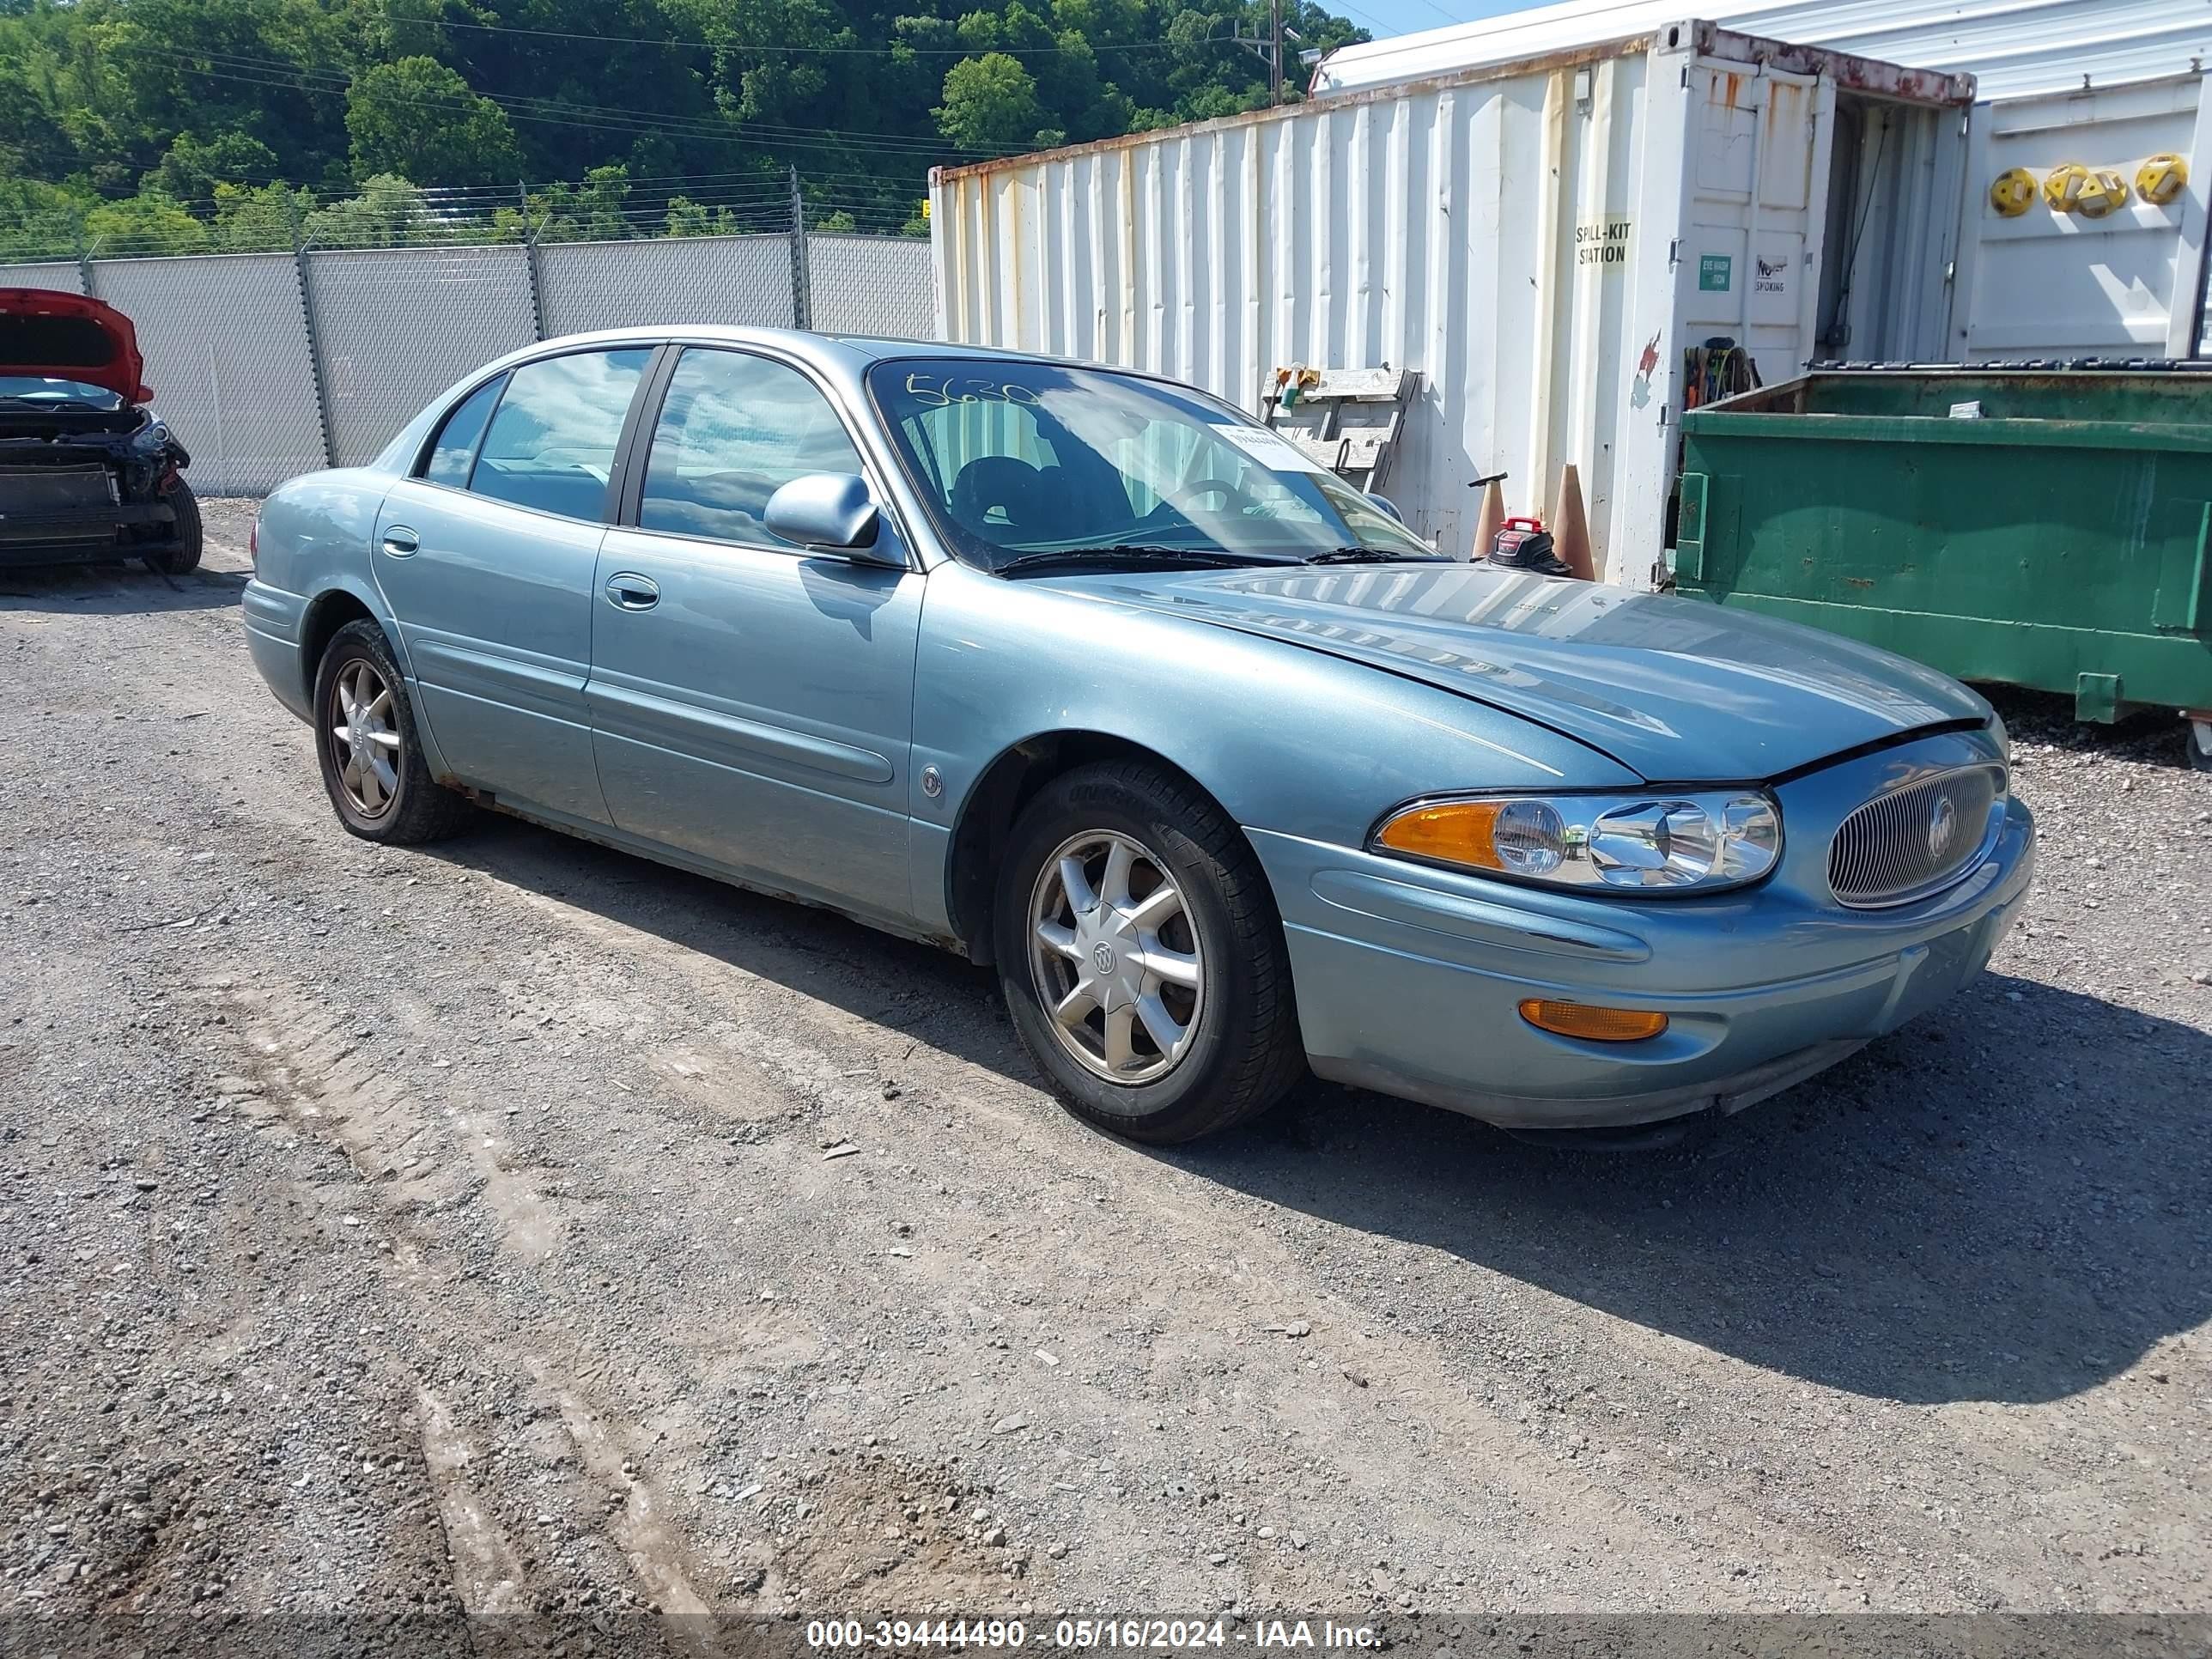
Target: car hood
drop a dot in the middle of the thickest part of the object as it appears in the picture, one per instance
(1678, 690)
(45, 332)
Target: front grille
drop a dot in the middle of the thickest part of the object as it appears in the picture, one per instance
(1914, 841)
(35, 489)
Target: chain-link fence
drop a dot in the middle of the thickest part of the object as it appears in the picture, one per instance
(226, 378)
(268, 365)
(396, 327)
(693, 279)
(53, 273)
(871, 285)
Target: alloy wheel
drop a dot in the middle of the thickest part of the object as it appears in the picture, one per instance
(1115, 958)
(364, 739)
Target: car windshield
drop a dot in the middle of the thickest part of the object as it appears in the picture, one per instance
(1022, 461)
(36, 389)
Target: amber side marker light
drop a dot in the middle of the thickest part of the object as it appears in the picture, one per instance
(1457, 832)
(1574, 1019)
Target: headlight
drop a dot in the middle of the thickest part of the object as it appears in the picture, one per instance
(1658, 842)
(2002, 737)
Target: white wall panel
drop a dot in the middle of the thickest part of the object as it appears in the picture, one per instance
(2049, 284)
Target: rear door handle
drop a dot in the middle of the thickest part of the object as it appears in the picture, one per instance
(631, 591)
(399, 541)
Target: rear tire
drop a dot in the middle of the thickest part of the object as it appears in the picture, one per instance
(185, 555)
(370, 749)
(1175, 1014)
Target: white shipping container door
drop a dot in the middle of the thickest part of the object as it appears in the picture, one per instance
(1758, 195)
(2049, 284)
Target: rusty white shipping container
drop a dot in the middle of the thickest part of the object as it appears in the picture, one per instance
(1539, 240)
(2110, 85)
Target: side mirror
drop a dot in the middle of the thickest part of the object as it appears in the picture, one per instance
(1388, 505)
(832, 511)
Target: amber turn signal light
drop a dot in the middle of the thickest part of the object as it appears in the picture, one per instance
(1577, 1019)
(1453, 832)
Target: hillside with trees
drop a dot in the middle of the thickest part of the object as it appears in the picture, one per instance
(131, 126)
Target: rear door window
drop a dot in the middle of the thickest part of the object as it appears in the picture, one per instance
(551, 443)
(456, 447)
(734, 429)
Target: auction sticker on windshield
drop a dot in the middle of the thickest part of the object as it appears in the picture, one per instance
(1271, 449)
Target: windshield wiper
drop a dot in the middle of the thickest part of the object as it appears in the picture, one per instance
(1138, 555)
(1364, 555)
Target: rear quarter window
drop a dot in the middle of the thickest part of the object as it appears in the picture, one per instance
(455, 449)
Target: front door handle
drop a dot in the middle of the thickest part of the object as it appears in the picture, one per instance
(631, 591)
(399, 541)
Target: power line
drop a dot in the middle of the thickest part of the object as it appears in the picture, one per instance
(320, 80)
(639, 121)
(755, 46)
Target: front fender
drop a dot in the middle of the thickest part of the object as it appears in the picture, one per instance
(1287, 739)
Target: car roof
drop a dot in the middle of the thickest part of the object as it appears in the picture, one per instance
(852, 350)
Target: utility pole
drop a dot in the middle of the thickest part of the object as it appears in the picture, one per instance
(1268, 48)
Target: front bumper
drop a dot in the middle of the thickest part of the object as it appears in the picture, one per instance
(1409, 980)
(127, 529)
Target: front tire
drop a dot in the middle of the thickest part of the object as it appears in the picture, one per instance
(370, 749)
(1142, 958)
(191, 536)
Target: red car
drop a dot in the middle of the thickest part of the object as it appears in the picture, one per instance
(88, 472)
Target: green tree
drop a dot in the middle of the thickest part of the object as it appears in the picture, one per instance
(39, 221)
(990, 103)
(250, 219)
(689, 218)
(687, 112)
(194, 166)
(389, 212)
(146, 224)
(595, 211)
(418, 118)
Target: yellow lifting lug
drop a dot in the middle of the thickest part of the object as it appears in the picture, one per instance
(2013, 193)
(2092, 192)
(2161, 178)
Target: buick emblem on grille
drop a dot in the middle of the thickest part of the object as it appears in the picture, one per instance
(1918, 838)
(1942, 829)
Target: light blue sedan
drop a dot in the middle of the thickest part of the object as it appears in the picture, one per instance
(1084, 675)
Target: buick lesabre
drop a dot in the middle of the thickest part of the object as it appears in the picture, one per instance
(1084, 674)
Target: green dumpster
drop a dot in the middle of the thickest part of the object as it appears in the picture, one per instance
(2042, 528)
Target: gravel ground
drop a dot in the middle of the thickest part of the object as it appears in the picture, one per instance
(455, 1229)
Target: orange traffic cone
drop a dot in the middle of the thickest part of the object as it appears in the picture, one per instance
(1488, 521)
(1570, 538)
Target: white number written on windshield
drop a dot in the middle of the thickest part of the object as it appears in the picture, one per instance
(939, 390)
